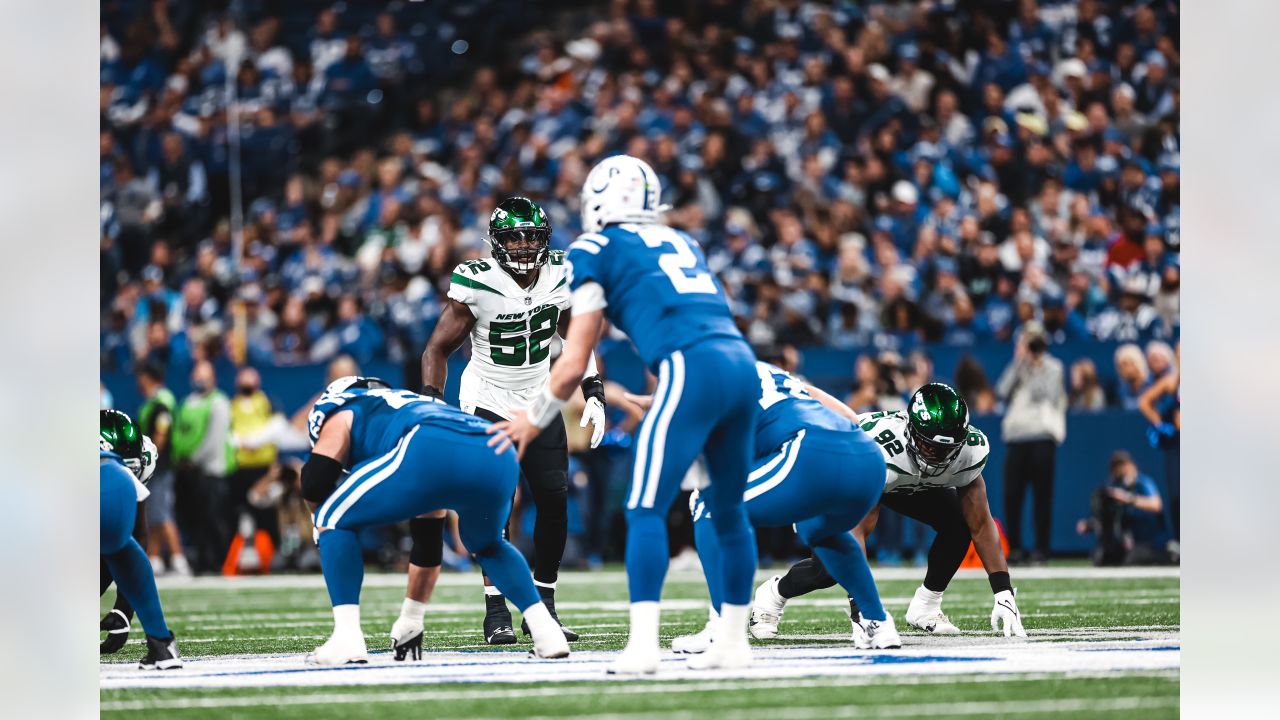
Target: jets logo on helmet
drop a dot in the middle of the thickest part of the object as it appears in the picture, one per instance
(937, 426)
(620, 189)
(519, 235)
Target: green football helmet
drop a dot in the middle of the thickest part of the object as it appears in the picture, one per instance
(118, 433)
(938, 426)
(519, 235)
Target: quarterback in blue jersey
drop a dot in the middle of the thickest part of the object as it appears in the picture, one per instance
(404, 455)
(126, 459)
(652, 282)
(817, 470)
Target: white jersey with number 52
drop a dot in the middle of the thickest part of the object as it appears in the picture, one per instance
(514, 330)
(903, 475)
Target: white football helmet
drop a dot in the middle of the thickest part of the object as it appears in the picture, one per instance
(620, 188)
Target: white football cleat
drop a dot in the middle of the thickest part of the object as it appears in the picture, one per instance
(406, 639)
(636, 661)
(699, 641)
(344, 649)
(766, 610)
(876, 634)
(723, 656)
(925, 613)
(548, 638)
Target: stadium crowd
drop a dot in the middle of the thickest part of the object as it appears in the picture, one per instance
(882, 176)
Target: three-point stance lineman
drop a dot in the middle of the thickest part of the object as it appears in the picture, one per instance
(408, 455)
(654, 284)
(814, 469)
(933, 461)
(120, 493)
(512, 305)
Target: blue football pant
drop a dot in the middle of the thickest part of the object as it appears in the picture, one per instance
(430, 468)
(822, 484)
(127, 561)
(705, 404)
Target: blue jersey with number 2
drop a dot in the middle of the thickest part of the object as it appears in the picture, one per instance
(656, 282)
(383, 416)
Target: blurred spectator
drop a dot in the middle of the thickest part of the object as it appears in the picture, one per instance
(1086, 393)
(155, 419)
(1127, 516)
(1034, 424)
(255, 453)
(1161, 405)
(1132, 375)
(203, 455)
(974, 387)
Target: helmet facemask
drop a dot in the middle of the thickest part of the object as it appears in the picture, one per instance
(933, 455)
(521, 249)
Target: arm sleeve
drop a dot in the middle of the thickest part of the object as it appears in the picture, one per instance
(589, 297)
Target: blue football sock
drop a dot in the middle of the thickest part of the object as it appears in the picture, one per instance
(737, 554)
(646, 555)
(848, 565)
(510, 574)
(134, 578)
(343, 566)
(708, 544)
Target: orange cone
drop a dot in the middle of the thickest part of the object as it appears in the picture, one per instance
(971, 559)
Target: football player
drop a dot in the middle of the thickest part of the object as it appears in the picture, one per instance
(126, 460)
(381, 456)
(654, 284)
(512, 305)
(933, 460)
(814, 469)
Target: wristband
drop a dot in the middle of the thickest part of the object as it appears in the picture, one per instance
(432, 391)
(1000, 582)
(545, 409)
(593, 387)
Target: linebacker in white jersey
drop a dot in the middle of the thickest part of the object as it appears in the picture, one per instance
(513, 305)
(933, 463)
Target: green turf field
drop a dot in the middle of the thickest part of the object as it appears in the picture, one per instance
(1100, 620)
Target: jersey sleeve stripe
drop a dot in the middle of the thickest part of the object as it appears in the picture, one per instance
(596, 238)
(896, 469)
(974, 466)
(585, 246)
(468, 282)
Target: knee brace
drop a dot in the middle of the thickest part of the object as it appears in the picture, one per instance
(428, 542)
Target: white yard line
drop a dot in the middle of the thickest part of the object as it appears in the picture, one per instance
(622, 688)
(472, 579)
(933, 656)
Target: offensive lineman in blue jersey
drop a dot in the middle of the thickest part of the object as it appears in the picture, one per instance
(817, 470)
(653, 283)
(407, 455)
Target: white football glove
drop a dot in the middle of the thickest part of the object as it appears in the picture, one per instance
(149, 456)
(594, 413)
(1005, 613)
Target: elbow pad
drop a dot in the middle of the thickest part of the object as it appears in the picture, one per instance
(593, 387)
(319, 477)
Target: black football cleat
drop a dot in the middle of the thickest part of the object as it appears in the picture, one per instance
(549, 599)
(116, 624)
(497, 621)
(162, 654)
(410, 648)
